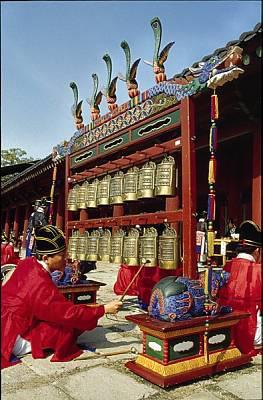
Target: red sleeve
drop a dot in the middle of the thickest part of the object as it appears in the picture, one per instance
(48, 304)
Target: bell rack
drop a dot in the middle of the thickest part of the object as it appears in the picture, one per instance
(136, 158)
(146, 149)
(128, 220)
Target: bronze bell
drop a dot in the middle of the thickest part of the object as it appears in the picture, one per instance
(104, 246)
(130, 184)
(116, 184)
(92, 194)
(82, 246)
(116, 246)
(92, 245)
(168, 249)
(73, 246)
(148, 246)
(165, 177)
(73, 198)
(146, 180)
(131, 247)
(82, 196)
(103, 192)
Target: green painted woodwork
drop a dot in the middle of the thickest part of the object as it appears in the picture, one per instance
(84, 156)
(113, 143)
(156, 125)
(194, 350)
(222, 345)
(150, 351)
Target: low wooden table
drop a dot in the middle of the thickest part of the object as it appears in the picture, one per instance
(83, 293)
(182, 351)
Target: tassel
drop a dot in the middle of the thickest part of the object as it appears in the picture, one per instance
(213, 137)
(214, 107)
(212, 171)
(211, 207)
(210, 243)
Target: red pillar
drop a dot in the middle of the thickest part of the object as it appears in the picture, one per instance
(7, 222)
(188, 187)
(256, 178)
(16, 222)
(67, 175)
(60, 212)
(117, 212)
(83, 215)
(26, 220)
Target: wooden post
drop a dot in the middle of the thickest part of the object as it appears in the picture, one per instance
(117, 212)
(67, 174)
(60, 212)
(256, 178)
(188, 187)
(83, 215)
(16, 222)
(26, 220)
(7, 222)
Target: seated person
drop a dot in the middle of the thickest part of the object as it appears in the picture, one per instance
(35, 315)
(243, 291)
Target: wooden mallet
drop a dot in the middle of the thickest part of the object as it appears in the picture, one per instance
(144, 262)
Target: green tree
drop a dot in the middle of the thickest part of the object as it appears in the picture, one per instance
(14, 156)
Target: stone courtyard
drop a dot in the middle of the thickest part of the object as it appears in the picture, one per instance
(106, 377)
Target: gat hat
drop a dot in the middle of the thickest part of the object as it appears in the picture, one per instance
(36, 203)
(250, 234)
(44, 202)
(49, 240)
(4, 237)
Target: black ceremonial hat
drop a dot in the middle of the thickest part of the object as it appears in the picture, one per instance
(4, 237)
(250, 234)
(49, 240)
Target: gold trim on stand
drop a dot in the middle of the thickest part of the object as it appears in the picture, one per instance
(187, 365)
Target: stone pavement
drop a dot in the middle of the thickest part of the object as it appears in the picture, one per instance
(107, 378)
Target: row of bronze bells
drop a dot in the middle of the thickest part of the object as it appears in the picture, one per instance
(130, 249)
(149, 181)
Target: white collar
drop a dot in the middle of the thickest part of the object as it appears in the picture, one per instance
(246, 256)
(44, 265)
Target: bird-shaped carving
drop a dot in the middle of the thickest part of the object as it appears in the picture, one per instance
(131, 71)
(159, 59)
(110, 91)
(95, 100)
(76, 109)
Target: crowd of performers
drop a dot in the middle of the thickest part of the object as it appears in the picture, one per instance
(41, 318)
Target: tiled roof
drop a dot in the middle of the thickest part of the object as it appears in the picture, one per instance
(244, 37)
(30, 173)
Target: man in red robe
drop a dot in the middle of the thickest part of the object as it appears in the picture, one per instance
(4, 243)
(243, 291)
(35, 315)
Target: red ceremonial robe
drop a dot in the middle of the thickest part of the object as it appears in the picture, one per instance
(7, 254)
(33, 308)
(243, 293)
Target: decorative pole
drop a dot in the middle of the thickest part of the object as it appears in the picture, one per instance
(210, 216)
(55, 158)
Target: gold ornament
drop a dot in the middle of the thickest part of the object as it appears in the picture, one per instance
(103, 192)
(168, 249)
(131, 247)
(130, 184)
(165, 177)
(146, 180)
(116, 246)
(148, 246)
(116, 185)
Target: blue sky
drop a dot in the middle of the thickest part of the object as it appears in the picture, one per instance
(47, 44)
